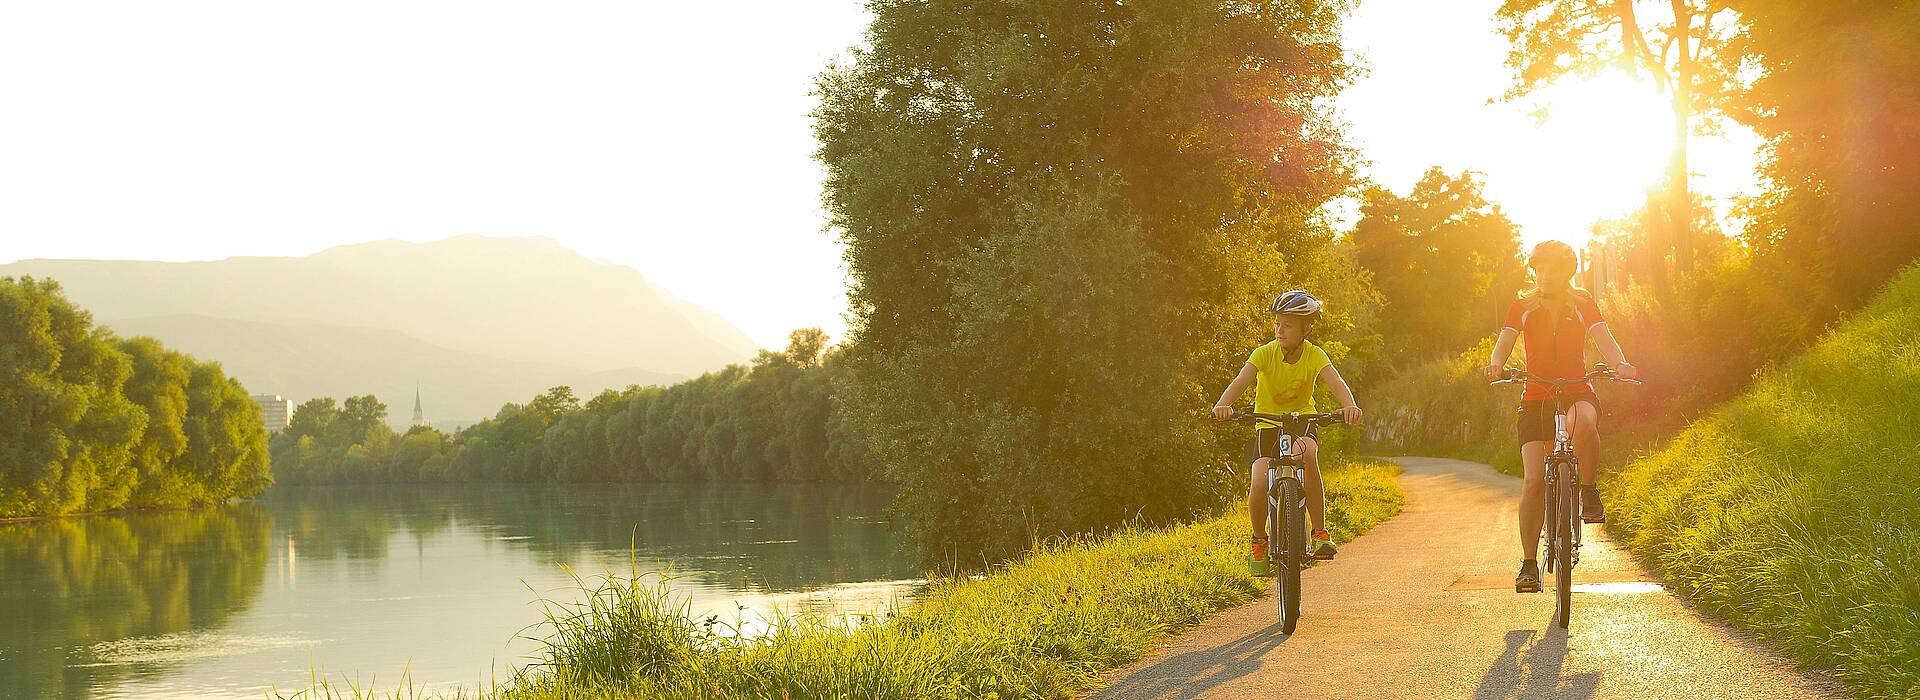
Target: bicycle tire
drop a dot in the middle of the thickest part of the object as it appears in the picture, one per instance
(1563, 553)
(1293, 552)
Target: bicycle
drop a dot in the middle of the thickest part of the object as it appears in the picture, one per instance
(1562, 471)
(1287, 508)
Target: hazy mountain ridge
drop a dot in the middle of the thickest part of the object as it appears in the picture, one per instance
(527, 299)
(475, 321)
(305, 361)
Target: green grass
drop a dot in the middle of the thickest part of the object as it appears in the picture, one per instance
(1795, 508)
(1041, 627)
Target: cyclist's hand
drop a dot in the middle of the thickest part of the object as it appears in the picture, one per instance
(1492, 371)
(1626, 370)
(1222, 412)
(1350, 414)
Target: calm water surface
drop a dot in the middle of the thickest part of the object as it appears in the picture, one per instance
(440, 583)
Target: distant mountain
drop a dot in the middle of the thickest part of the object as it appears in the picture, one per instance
(474, 321)
(304, 361)
(524, 299)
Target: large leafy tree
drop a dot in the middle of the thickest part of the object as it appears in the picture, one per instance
(67, 433)
(1836, 97)
(1445, 259)
(1061, 222)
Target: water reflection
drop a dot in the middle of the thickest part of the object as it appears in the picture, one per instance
(71, 588)
(373, 580)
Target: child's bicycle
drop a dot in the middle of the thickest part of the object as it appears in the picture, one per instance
(1287, 508)
(1562, 523)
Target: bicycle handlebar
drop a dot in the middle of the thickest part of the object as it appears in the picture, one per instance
(1291, 418)
(1512, 375)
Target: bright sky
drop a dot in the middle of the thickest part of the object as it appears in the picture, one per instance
(671, 137)
(1433, 66)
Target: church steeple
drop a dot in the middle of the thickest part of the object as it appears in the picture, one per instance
(419, 415)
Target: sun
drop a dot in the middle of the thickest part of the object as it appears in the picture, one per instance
(1605, 142)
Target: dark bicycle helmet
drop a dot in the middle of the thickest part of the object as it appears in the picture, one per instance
(1552, 251)
(1295, 303)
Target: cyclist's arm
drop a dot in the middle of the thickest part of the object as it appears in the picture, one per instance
(1502, 349)
(1610, 348)
(1239, 386)
(1341, 392)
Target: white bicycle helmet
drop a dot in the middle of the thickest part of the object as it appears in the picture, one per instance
(1296, 303)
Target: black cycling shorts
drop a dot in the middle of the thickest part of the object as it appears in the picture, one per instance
(1266, 443)
(1536, 417)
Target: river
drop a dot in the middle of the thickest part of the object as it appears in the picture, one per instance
(439, 583)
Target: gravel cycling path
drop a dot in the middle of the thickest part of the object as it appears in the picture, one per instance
(1423, 607)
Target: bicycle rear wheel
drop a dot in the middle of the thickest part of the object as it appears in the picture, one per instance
(1292, 545)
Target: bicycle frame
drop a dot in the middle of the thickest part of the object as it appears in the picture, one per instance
(1562, 524)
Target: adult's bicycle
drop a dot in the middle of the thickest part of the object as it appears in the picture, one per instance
(1287, 507)
(1562, 470)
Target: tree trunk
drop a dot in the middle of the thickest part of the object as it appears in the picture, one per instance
(1679, 195)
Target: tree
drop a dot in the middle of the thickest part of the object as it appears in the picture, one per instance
(1833, 96)
(67, 433)
(158, 385)
(1682, 44)
(1445, 259)
(1062, 221)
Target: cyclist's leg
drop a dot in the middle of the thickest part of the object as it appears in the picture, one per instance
(1257, 496)
(1308, 447)
(1583, 420)
(1533, 457)
(1259, 456)
(1535, 426)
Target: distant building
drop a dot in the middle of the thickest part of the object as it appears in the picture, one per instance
(275, 411)
(419, 416)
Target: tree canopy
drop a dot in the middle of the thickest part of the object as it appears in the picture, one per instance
(1063, 221)
(91, 422)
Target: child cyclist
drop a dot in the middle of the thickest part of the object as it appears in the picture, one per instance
(1555, 319)
(1282, 374)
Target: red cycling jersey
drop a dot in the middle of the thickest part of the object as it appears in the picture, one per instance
(1556, 340)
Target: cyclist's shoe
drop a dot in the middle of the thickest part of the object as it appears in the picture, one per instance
(1257, 563)
(1590, 508)
(1322, 545)
(1529, 579)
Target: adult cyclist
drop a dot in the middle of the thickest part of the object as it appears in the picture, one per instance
(1555, 319)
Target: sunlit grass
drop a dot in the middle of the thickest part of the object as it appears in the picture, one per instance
(1042, 627)
(1795, 509)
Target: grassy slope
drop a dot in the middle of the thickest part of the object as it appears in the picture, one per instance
(1043, 627)
(1795, 509)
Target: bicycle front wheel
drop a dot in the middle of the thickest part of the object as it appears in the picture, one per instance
(1292, 554)
(1569, 518)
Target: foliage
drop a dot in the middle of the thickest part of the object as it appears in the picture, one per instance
(1444, 258)
(1062, 221)
(92, 422)
(775, 420)
(1835, 99)
(1790, 509)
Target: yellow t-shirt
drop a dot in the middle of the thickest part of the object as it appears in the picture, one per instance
(1282, 387)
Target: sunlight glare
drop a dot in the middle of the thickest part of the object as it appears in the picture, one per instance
(1605, 142)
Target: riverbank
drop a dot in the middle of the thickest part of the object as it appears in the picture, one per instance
(1041, 627)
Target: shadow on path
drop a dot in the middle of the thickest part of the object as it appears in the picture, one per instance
(1532, 667)
(1186, 676)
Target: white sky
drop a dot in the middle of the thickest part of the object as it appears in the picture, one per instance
(671, 137)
